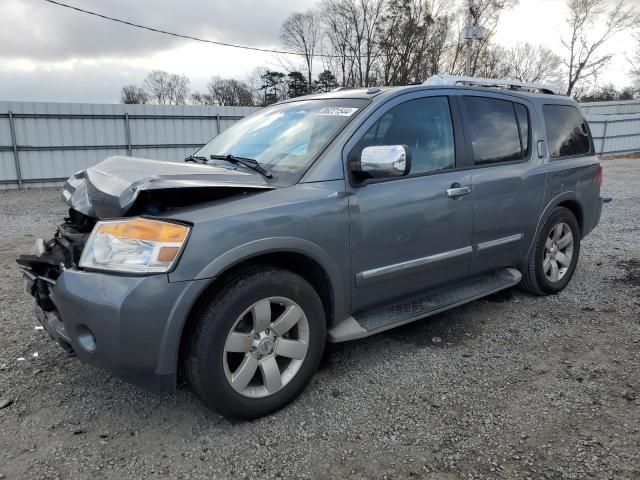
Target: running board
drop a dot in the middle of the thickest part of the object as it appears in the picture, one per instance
(423, 305)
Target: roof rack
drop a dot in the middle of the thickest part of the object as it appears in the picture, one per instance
(492, 82)
(339, 89)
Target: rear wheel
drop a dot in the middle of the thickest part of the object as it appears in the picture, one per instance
(555, 254)
(257, 344)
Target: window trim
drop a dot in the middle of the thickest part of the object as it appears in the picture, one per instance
(591, 151)
(529, 142)
(467, 130)
(456, 123)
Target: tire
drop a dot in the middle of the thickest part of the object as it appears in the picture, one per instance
(247, 326)
(538, 277)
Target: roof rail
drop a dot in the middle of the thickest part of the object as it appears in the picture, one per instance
(339, 89)
(492, 82)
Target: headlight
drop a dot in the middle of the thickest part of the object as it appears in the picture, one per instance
(138, 245)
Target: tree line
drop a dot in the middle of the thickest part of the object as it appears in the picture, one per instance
(365, 43)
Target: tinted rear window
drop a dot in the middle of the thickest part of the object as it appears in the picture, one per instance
(567, 132)
(495, 136)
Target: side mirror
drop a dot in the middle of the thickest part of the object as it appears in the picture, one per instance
(382, 161)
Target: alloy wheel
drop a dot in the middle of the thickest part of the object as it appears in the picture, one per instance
(266, 347)
(558, 251)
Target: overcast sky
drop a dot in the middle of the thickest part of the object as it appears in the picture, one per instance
(49, 53)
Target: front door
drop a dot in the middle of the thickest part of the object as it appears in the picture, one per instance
(411, 234)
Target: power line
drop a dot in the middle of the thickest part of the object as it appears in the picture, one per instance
(180, 35)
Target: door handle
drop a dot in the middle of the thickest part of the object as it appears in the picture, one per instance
(457, 190)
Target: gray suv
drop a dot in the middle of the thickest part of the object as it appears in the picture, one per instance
(324, 218)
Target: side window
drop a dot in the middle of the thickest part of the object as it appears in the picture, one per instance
(494, 129)
(567, 132)
(424, 125)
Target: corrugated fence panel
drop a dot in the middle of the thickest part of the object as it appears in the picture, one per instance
(55, 140)
(614, 132)
(611, 108)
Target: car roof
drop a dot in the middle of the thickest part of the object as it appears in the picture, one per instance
(381, 93)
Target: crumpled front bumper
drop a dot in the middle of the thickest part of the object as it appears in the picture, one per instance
(127, 325)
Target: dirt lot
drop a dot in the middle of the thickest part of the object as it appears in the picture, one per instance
(519, 386)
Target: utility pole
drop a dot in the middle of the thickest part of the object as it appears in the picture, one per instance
(472, 31)
(468, 40)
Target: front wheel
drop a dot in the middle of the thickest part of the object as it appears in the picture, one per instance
(257, 344)
(555, 254)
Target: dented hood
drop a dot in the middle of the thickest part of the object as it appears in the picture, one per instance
(110, 188)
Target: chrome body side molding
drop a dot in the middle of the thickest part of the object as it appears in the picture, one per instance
(375, 274)
(499, 241)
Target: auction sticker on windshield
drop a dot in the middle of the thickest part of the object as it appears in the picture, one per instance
(338, 111)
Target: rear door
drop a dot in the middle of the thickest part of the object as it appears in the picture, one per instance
(407, 234)
(508, 178)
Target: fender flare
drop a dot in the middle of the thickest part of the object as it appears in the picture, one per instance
(169, 352)
(546, 212)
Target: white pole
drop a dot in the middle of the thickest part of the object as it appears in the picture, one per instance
(468, 40)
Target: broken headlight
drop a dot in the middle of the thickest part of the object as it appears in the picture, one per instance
(136, 245)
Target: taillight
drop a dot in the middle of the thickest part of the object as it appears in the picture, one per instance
(599, 176)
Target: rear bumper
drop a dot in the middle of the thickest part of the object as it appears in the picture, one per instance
(127, 325)
(591, 221)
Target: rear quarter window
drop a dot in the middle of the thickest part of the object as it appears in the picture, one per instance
(567, 132)
(499, 129)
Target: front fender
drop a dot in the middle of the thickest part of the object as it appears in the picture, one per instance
(168, 360)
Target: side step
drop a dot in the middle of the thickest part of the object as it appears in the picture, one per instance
(422, 305)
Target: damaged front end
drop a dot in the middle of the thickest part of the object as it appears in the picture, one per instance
(115, 188)
(42, 269)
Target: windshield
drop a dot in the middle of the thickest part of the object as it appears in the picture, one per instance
(287, 137)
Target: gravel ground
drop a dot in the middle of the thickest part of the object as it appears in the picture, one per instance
(518, 386)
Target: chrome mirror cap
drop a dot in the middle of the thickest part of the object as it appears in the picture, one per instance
(383, 161)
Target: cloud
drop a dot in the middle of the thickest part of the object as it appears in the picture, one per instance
(36, 30)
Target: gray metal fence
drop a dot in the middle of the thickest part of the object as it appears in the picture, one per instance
(43, 143)
(615, 126)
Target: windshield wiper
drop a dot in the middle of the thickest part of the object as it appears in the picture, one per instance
(247, 162)
(196, 158)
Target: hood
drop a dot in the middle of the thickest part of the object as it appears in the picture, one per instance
(110, 188)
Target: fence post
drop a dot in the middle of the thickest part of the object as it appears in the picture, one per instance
(604, 135)
(217, 124)
(16, 157)
(127, 133)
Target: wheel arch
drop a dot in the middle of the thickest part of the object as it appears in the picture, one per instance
(568, 200)
(318, 268)
(574, 207)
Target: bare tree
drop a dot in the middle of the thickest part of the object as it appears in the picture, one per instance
(608, 93)
(301, 33)
(229, 92)
(490, 62)
(257, 85)
(533, 64)
(635, 62)
(412, 39)
(584, 58)
(167, 88)
(338, 33)
(132, 94)
(199, 98)
(157, 84)
(178, 89)
(353, 27)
